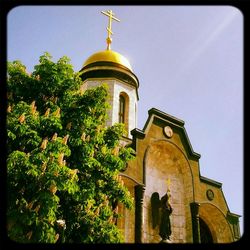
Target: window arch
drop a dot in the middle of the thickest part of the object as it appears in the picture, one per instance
(123, 112)
(122, 104)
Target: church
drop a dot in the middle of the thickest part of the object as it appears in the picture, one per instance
(173, 202)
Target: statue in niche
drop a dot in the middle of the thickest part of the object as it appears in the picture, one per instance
(166, 211)
(162, 219)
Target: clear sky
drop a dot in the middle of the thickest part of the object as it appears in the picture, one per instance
(188, 59)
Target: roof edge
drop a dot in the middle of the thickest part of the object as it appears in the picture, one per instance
(166, 116)
(211, 182)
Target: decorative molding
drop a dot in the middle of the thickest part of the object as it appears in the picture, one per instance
(167, 131)
(210, 194)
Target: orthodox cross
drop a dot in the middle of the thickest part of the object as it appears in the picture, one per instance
(111, 17)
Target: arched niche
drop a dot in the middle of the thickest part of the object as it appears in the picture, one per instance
(205, 232)
(217, 223)
(163, 161)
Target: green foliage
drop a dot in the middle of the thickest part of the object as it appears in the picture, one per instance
(63, 162)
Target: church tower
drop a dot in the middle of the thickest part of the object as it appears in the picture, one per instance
(113, 69)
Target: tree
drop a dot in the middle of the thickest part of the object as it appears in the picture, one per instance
(63, 163)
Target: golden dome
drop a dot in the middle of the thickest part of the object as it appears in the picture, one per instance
(108, 56)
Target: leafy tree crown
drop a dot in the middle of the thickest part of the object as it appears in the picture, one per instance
(63, 163)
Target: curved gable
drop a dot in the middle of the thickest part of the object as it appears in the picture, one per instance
(162, 119)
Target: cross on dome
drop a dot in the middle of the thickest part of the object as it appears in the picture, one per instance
(111, 17)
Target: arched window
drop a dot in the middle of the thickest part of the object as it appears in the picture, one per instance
(122, 104)
(123, 111)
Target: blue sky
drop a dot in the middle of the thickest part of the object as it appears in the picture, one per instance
(188, 59)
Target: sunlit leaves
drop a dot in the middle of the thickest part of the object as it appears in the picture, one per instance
(63, 162)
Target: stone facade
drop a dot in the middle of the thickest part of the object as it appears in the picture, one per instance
(160, 157)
